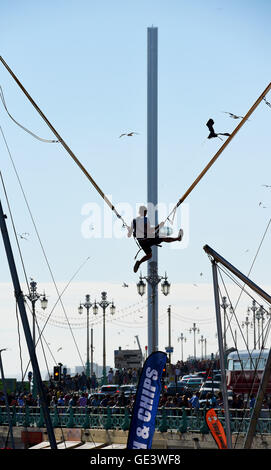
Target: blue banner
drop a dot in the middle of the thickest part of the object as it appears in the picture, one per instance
(142, 425)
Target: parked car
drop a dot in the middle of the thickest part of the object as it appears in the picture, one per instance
(202, 374)
(210, 386)
(194, 384)
(110, 389)
(128, 389)
(175, 387)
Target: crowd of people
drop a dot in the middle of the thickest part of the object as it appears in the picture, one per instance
(80, 391)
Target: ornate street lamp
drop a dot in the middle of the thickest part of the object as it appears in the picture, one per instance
(33, 296)
(153, 280)
(104, 304)
(87, 305)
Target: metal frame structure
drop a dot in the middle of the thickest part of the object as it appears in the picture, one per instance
(216, 258)
(29, 340)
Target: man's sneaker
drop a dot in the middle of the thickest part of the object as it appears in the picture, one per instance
(136, 266)
(180, 234)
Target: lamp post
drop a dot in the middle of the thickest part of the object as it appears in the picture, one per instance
(268, 315)
(201, 340)
(195, 330)
(254, 308)
(246, 324)
(34, 296)
(260, 317)
(104, 304)
(169, 332)
(87, 306)
(224, 305)
(153, 280)
(182, 339)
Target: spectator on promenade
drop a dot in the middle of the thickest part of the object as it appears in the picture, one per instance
(20, 400)
(110, 376)
(194, 401)
(61, 400)
(93, 381)
(134, 376)
(95, 400)
(83, 400)
(104, 401)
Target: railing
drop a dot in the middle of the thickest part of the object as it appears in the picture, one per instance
(173, 419)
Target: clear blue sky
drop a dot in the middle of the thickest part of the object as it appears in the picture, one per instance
(85, 63)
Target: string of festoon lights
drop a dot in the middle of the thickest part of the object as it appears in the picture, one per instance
(59, 321)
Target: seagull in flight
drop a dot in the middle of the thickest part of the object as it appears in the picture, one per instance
(267, 102)
(129, 134)
(267, 185)
(24, 236)
(233, 116)
(210, 124)
(125, 285)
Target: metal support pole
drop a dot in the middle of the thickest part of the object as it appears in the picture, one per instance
(169, 331)
(91, 351)
(6, 399)
(30, 344)
(153, 322)
(258, 403)
(221, 357)
(104, 351)
(152, 177)
(218, 258)
(34, 387)
(87, 368)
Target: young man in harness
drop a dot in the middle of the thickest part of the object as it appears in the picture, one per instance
(148, 236)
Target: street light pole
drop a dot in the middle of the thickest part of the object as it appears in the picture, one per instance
(91, 351)
(153, 280)
(201, 340)
(246, 324)
(224, 305)
(87, 306)
(254, 308)
(182, 339)
(33, 296)
(195, 330)
(261, 313)
(169, 331)
(104, 304)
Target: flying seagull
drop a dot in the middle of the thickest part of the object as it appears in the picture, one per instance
(210, 124)
(267, 185)
(267, 102)
(125, 285)
(24, 236)
(233, 116)
(129, 134)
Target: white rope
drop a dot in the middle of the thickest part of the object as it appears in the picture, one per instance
(20, 125)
